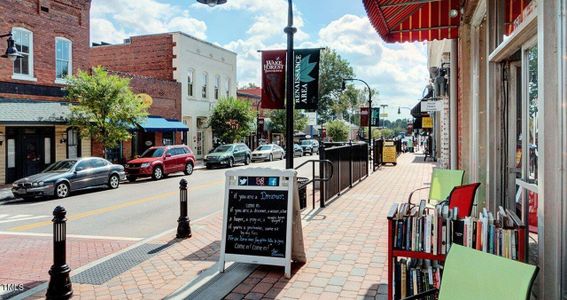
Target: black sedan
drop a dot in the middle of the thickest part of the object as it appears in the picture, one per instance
(64, 176)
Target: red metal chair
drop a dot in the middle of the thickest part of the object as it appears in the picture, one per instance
(462, 197)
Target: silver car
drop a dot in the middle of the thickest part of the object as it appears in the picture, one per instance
(64, 176)
(268, 152)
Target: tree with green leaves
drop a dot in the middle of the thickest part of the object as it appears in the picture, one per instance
(232, 119)
(250, 85)
(278, 120)
(332, 70)
(337, 130)
(106, 108)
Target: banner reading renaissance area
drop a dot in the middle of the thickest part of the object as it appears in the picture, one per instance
(306, 85)
(273, 79)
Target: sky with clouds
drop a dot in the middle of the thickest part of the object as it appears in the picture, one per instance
(397, 71)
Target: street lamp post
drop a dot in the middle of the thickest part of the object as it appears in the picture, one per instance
(11, 52)
(290, 31)
(369, 107)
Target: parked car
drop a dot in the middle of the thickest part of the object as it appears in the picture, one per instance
(228, 155)
(297, 150)
(160, 161)
(61, 178)
(268, 152)
(310, 146)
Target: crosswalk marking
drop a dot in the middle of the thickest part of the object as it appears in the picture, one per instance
(4, 218)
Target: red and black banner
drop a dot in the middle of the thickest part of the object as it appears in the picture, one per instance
(364, 116)
(273, 79)
(306, 76)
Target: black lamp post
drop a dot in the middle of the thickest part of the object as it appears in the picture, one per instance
(290, 31)
(11, 51)
(369, 108)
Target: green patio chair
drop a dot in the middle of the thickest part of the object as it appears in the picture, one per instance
(442, 183)
(471, 275)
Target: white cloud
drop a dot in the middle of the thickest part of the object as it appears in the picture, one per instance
(397, 71)
(137, 17)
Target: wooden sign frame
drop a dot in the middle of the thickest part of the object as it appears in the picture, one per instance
(287, 177)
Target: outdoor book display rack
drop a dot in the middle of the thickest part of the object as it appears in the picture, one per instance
(419, 239)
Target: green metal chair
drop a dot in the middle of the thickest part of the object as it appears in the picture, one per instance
(471, 275)
(442, 183)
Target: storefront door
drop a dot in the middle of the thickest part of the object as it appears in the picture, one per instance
(30, 150)
(199, 146)
(32, 158)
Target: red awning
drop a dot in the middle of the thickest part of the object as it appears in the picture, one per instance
(413, 20)
(513, 10)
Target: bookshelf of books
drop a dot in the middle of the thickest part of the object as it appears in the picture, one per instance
(419, 239)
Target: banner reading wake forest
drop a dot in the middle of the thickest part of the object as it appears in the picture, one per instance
(273, 79)
(306, 85)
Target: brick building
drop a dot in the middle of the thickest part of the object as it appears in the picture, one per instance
(165, 109)
(205, 71)
(53, 38)
(254, 96)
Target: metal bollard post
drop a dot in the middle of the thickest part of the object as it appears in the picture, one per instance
(183, 223)
(59, 281)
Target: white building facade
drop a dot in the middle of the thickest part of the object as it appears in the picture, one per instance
(207, 73)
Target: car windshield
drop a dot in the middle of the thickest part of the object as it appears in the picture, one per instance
(154, 152)
(61, 166)
(305, 142)
(264, 148)
(224, 148)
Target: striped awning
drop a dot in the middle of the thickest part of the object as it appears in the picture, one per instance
(413, 20)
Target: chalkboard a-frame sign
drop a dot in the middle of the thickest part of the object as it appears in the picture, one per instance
(257, 219)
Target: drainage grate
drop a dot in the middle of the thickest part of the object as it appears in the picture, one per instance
(119, 264)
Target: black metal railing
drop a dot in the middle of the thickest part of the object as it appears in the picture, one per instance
(320, 179)
(350, 162)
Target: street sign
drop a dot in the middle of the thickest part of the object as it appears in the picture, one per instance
(431, 106)
(311, 118)
(259, 208)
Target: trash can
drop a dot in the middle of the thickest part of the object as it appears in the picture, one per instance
(302, 188)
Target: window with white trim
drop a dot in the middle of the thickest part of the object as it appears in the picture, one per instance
(217, 86)
(227, 87)
(23, 38)
(205, 81)
(63, 58)
(190, 82)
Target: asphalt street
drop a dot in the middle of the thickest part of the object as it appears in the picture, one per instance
(134, 210)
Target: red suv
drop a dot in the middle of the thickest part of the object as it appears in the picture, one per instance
(161, 161)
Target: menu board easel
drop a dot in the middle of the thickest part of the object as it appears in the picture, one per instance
(258, 216)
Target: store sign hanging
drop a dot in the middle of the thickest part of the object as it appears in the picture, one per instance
(273, 79)
(427, 122)
(306, 85)
(431, 106)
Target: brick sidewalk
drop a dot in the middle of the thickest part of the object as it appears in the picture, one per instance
(26, 259)
(346, 243)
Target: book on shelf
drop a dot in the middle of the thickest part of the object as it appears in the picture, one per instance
(432, 231)
(414, 276)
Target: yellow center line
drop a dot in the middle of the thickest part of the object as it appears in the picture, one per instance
(100, 211)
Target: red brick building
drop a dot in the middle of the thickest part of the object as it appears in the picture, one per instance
(147, 61)
(254, 96)
(53, 38)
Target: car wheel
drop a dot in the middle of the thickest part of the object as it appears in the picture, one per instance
(247, 160)
(208, 166)
(231, 163)
(131, 178)
(271, 157)
(114, 181)
(62, 190)
(157, 174)
(188, 169)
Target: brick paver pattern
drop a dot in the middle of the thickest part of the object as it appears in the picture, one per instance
(346, 243)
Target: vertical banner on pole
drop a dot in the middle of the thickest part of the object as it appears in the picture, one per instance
(375, 117)
(363, 116)
(306, 85)
(273, 79)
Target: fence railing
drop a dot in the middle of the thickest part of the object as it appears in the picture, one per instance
(350, 164)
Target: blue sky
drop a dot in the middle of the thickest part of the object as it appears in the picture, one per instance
(398, 71)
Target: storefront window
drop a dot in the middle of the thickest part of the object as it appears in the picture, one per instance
(533, 127)
(73, 143)
(168, 138)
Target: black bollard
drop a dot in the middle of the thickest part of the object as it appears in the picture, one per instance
(183, 223)
(59, 281)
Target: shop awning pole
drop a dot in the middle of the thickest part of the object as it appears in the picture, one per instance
(453, 104)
